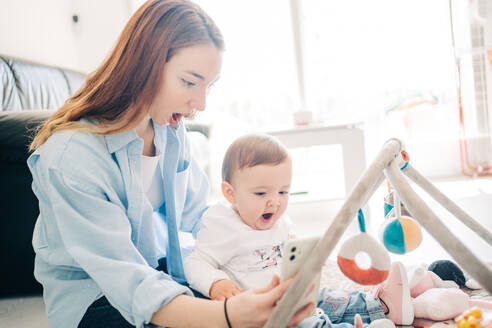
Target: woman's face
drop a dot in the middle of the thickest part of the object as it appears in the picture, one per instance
(185, 82)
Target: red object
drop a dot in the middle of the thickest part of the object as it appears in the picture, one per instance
(480, 172)
(361, 276)
(405, 156)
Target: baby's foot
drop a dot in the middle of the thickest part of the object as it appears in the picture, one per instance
(380, 323)
(394, 295)
(358, 321)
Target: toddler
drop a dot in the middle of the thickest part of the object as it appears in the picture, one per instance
(239, 243)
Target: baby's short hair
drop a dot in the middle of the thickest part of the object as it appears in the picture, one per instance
(251, 150)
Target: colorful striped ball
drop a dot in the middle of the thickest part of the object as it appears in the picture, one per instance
(400, 235)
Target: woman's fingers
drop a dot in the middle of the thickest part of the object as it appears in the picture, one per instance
(276, 293)
(301, 314)
(268, 297)
(275, 281)
(311, 289)
(279, 291)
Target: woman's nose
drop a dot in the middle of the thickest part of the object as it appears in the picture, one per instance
(200, 101)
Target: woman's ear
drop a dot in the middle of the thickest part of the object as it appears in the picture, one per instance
(228, 192)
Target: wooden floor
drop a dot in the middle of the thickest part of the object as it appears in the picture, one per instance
(23, 312)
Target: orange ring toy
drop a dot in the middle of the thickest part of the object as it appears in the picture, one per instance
(380, 260)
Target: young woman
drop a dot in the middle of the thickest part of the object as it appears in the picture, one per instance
(115, 181)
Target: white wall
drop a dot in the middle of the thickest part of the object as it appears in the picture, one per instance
(44, 32)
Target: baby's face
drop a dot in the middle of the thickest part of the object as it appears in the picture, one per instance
(261, 193)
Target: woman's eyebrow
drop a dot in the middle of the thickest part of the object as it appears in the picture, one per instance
(196, 75)
(218, 77)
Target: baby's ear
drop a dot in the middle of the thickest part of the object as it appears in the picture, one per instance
(228, 192)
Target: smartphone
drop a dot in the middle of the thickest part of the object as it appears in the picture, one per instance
(294, 254)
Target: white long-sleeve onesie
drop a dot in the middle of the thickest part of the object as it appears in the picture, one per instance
(227, 248)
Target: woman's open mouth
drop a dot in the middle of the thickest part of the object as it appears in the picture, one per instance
(175, 118)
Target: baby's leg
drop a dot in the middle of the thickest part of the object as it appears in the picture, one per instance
(394, 293)
(340, 308)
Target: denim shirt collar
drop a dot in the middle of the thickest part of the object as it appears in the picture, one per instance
(119, 140)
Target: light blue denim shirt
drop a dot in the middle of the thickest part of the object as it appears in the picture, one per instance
(96, 231)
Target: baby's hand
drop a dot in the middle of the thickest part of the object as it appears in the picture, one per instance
(222, 289)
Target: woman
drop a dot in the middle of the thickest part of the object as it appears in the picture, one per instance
(115, 181)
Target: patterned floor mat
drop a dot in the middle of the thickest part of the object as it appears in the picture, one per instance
(333, 278)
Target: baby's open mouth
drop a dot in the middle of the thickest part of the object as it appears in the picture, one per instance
(267, 216)
(175, 118)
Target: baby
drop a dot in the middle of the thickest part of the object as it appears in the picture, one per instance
(239, 242)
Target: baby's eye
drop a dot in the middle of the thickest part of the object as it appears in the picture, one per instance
(188, 83)
(260, 193)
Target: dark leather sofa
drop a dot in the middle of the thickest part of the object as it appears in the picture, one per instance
(29, 94)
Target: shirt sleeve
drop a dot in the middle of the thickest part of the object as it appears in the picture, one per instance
(215, 246)
(202, 271)
(96, 233)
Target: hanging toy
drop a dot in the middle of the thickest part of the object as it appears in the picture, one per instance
(363, 242)
(403, 161)
(399, 233)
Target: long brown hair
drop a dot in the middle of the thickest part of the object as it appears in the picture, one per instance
(118, 94)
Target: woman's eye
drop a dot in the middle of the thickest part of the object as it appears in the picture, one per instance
(259, 193)
(188, 83)
(283, 192)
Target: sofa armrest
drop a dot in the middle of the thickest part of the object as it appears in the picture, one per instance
(17, 129)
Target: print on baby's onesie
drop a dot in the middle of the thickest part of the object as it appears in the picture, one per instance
(337, 298)
(267, 257)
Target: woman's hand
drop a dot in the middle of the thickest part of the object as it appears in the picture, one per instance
(253, 308)
(222, 289)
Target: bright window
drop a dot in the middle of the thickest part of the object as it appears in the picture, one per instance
(258, 82)
(359, 57)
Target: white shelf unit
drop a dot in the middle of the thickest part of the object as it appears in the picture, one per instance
(312, 215)
(349, 135)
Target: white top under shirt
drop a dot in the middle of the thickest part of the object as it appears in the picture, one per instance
(227, 248)
(152, 183)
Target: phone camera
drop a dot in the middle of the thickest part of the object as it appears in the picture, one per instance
(293, 249)
(292, 257)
